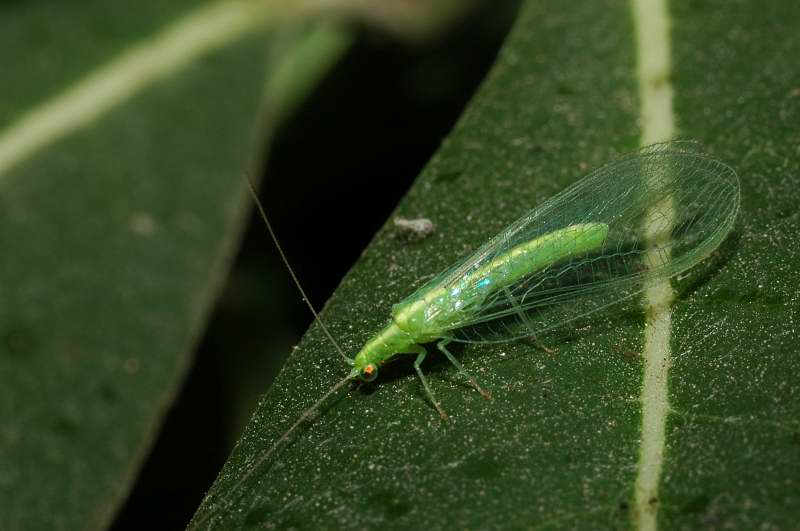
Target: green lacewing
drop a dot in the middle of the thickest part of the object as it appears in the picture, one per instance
(649, 215)
(646, 216)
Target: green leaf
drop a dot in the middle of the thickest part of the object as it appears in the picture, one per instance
(125, 132)
(563, 443)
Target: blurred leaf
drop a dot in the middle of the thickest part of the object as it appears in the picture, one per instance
(125, 132)
(416, 21)
(559, 444)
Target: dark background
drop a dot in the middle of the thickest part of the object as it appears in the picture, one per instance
(334, 175)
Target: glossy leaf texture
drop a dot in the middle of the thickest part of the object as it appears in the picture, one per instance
(558, 445)
(125, 132)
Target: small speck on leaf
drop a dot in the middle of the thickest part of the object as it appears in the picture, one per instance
(414, 229)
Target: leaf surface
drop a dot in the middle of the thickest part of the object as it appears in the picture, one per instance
(559, 445)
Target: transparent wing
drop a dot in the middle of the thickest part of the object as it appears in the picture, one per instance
(666, 206)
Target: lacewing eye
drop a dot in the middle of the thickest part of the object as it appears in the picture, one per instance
(369, 373)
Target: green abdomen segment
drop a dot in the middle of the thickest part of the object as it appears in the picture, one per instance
(429, 312)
